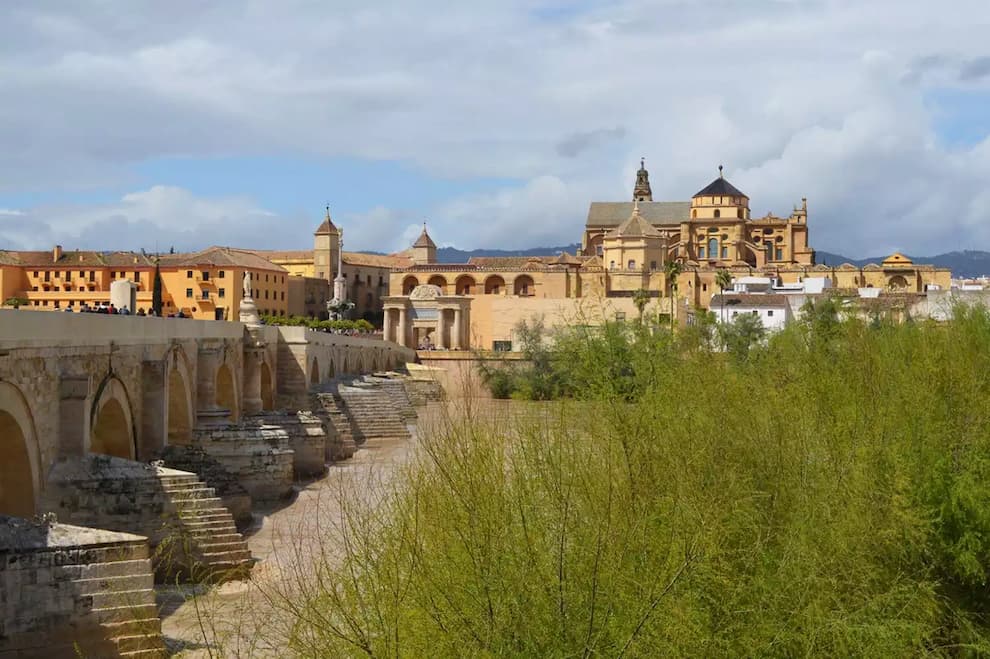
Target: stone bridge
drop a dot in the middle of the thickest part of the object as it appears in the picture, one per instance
(88, 400)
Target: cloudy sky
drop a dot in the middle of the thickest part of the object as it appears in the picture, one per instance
(128, 124)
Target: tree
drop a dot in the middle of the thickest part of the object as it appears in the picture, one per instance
(723, 279)
(745, 331)
(156, 291)
(641, 298)
(673, 270)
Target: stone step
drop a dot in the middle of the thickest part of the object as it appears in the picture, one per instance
(108, 585)
(108, 615)
(124, 598)
(220, 547)
(145, 654)
(209, 537)
(134, 627)
(139, 642)
(219, 526)
(233, 556)
(199, 504)
(192, 493)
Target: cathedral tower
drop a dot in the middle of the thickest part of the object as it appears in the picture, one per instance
(326, 249)
(642, 191)
(424, 250)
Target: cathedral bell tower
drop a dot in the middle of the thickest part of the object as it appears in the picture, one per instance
(642, 191)
(326, 249)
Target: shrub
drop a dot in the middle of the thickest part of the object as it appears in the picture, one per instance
(829, 495)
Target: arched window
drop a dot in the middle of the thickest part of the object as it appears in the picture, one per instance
(611, 265)
(713, 248)
(694, 213)
(718, 213)
(632, 264)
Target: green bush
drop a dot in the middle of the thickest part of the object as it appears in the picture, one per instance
(828, 495)
(360, 324)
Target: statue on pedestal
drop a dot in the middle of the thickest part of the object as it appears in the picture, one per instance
(247, 284)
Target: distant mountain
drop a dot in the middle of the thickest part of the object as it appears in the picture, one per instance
(966, 264)
(454, 255)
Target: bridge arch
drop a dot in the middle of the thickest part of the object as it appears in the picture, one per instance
(111, 423)
(179, 403)
(314, 371)
(20, 460)
(226, 391)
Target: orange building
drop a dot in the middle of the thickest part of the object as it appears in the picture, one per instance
(204, 285)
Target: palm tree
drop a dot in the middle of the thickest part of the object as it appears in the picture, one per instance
(672, 269)
(723, 279)
(640, 298)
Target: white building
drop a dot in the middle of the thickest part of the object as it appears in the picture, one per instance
(772, 309)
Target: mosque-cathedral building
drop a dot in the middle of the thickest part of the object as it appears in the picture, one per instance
(626, 247)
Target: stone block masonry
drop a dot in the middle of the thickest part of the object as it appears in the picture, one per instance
(70, 591)
(307, 439)
(258, 455)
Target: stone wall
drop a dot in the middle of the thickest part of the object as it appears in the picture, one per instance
(70, 591)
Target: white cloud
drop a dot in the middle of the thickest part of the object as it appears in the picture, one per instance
(797, 98)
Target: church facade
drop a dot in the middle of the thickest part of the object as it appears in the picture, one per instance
(668, 252)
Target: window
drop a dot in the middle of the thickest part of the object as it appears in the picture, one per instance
(189, 292)
(266, 293)
(381, 280)
(35, 274)
(221, 274)
(780, 254)
(713, 248)
(620, 316)
(611, 265)
(188, 274)
(653, 265)
(266, 277)
(499, 346)
(206, 275)
(48, 275)
(735, 313)
(283, 296)
(704, 287)
(206, 294)
(718, 213)
(34, 288)
(137, 276)
(701, 252)
(725, 252)
(92, 275)
(739, 213)
(222, 292)
(600, 250)
(769, 313)
(82, 274)
(631, 265)
(254, 293)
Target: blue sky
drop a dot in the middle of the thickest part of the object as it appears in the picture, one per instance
(128, 125)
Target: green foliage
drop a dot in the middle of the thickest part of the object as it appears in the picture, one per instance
(828, 495)
(359, 325)
(741, 334)
(641, 297)
(15, 302)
